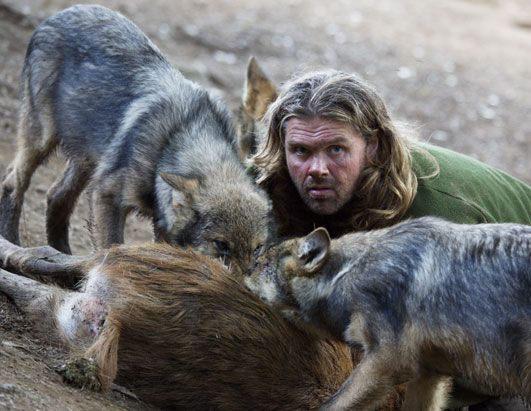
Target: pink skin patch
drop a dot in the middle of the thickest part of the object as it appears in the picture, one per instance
(325, 159)
(81, 317)
(93, 314)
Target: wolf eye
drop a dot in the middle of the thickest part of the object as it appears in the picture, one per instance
(258, 250)
(222, 247)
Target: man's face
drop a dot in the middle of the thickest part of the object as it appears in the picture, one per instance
(325, 159)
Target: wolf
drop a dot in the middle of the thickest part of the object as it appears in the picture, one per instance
(426, 300)
(137, 134)
(258, 93)
(179, 329)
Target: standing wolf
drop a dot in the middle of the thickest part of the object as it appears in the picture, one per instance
(425, 299)
(141, 136)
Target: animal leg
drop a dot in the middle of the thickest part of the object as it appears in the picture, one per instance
(62, 198)
(14, 184)
(27, 294)
(79, 319)
(76, 317)
(30, 154)
(40, 261)
(367, 387)
(427, 393)
(108, 217)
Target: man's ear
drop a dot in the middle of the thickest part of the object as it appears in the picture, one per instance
(259, 92)
(313, 250)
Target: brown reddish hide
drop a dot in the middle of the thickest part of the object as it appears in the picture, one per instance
(182, 332)
(186, 334)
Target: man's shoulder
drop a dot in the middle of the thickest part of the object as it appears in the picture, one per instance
(429, 200)
(428, 158)
(467, 189)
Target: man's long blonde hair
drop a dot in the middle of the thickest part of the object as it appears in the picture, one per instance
(387, 185)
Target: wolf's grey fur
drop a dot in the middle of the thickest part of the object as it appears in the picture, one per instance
(425, 300)
(258, 93)
(141, 136)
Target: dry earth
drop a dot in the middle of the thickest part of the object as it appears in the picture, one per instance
(459, 70)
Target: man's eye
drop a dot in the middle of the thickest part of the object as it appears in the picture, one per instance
(336, 149)
(300, 151)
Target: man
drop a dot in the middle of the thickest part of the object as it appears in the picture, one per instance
(331, 156)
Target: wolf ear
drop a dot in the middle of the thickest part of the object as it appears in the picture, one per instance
(314, 249)
(182, 199)
(185, 188)
(259, 92)
(185, 184)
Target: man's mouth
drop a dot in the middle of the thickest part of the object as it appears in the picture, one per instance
(320, 193)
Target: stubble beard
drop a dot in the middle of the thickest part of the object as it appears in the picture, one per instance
(322, 207)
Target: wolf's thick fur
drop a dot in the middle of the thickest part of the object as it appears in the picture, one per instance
(258, 93)
(425, 300)
(141, 136)
(183, 333)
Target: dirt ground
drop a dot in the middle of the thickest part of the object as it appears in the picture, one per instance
(457, 70)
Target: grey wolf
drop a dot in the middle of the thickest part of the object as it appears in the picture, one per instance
(258, 93)
(137, 134)
(426, 300)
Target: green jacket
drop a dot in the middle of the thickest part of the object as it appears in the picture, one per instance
(464, 191)
(467, 191)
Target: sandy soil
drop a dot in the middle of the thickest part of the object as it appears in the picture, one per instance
(457, 70)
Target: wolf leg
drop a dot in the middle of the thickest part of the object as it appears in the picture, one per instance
(14, 185)
(35, 140)
(427, 392)
(108, 216)
(61, 200)
(366, 388)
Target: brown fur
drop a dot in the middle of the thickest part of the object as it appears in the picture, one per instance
(221, 336)
(182, 332)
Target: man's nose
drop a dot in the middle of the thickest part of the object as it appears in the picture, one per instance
(318, 166)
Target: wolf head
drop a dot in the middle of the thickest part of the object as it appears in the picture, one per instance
(280, 274)
(258, 93)
(228, 220)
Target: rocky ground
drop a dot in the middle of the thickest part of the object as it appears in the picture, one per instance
(457, 70)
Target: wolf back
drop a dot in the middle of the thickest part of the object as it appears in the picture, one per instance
(96, 86)
(423, 298)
